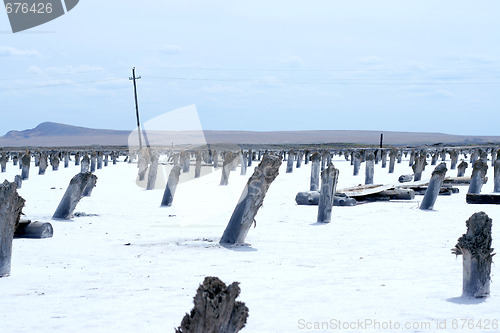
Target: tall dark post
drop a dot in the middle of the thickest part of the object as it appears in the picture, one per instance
(496, 174)
(137, 107)
(381, 139)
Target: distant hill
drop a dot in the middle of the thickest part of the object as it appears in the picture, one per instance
(55, 134)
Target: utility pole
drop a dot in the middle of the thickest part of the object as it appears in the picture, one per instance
(136, 106)
(381, 139)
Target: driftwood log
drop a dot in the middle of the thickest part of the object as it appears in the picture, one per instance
(215, 309)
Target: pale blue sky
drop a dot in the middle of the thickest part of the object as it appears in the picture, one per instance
(260, 65)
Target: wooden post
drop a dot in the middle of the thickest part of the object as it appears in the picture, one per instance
(496, 174)
(153, 171)
(229, 158)
(392, 159)
(329, 178)
(66, 159)
(250, 157)
(73, 194)
(186, 161)
(106, 160)
(243, 158)
(143, 163)
(42, 164)
(93, 162)
(323, 161)
(18, 180)
(494, 154)
(289, 162)
(370, 168)
(99, 160)
(197, 169)
(461, 168)
(114, 157)
(11, 206)
(434, 187)
(3, 162)
(477, 179)
(173, 180)
(474, 156)
(25, 160)
(251, 200)
(307, 157)
(215, 309)
(300, 155)
(85, 165)
(384, 158)
(475, 247)
(216, 159)
(315, 167)
(418, 166)
(412, 158)
(454, 159)
(356, 157)
(77, 159)
(54, 161)
(434, 159)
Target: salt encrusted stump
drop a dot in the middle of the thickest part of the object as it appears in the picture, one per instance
(289, 162)
(384, 158)
(25, 166)
(99, 160)
(229, 158)
(356, 163)
(91, 182)
(369, 168)
(329, 178)
(143, 164)
(434, 187)
(73, 194)
(454, 159)
(42, 164)
(315, 168)
(496, 175)
(3, 162)
(197, 169)
(300, 155)
(54, 161)
(392, 159)
(412, 158)
(475, 247)
(418, 166)
(85, 165)
(243, 163)
(93, 162)
(251, 200)
(477, 179)
(18, 180)
(77, 159)
(434, 158)
(173, 180)
(215, 309)
(186, 161)
(11, 205)
(216, 159)
(66, 159)
(153, 171)
(461, 168)
(106, 160)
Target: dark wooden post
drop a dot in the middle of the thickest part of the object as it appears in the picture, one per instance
(250, 157)
(114, 157)
(443, 156)
(400, 157)
(173, 180)
(54, 161)
(186, 161)
(289, 162)
(315, 169)
(477, 179)
(307, 157)
(392, 159)
(369, 168)
(85, 165)
(496, 174)
(494, 154)
(15, 159)
(412, 158)
(153, 171)
(461, 168)
(18, 180)
(300, 155)
(418, 166)
(66, 159)
(356, 157)
(434, 159)
(454, 159)
(93, 161)
(475, 247)
(77, 159)
(42, 164)
(251, 200)
(11, 206)
(215, 309)
(474, 156)
(434, 187)
(26, 161)
(3, 162)
(72, 196)
(106, 160)
(329, 178)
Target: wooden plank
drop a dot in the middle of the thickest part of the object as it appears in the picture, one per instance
(487, 199)
(362, 190)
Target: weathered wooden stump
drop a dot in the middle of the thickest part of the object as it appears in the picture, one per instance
(289, 162)
(229, 158)
(143, 164)
(243, 163)
(35, 230)
(11, 206)
(85, 165)
(475, 247)
(186, 161)
(153, 171)
(73, 194)
(18, 180)
(66, 159)
(15, 159)
(77, 159)
(369, 168)
(384, 158)
(42, 164)
(454, 159)
(434, 187)
(300, 155)
(356, 157)
(474, 156)
(251, 200)
(315, 169)
(392, 159)
(461, 168)
(250, 157)
(496, 175)
(329, 178)
(477, 179)
(173, 180)
(418, 166)
(99, 160)
(412, 158)
(215, 309)
(106, 160)
(3, 162)
(93, 162)
(114, 157)
(25, 166)
(54, 161)
(434, 158)
(494, 154)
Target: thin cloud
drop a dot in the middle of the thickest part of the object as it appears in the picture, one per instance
(8, 51)
(170, 49)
